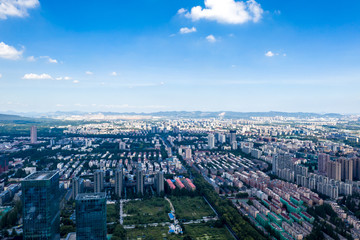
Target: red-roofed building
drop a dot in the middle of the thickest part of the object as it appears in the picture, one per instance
(170, 183)
(179, 184)
(189, 185)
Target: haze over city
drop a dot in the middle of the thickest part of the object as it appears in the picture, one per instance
(149, 56)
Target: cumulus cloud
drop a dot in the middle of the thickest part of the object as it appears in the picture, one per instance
(52, 60)
(31, 59)
(63, 78)
(114, 74)
(186, 30)
(226, 11)
(49, 59)
(9, 52)
(32, 76)
(211, 38)
(181, 11)
(76, 81)
(16, 8)
(89, 73)
(269, 54)
(272, 54)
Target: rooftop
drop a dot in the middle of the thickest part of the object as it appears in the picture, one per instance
(38, 176)
(90, 196)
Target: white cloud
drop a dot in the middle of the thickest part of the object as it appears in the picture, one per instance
(60, 105)
(114, 74)
(0, 75)
(269, 54)
(186, 30)
(211, 38)
(49, 59)
(226, 11)
(63, 78)
(52, 60)
(181, 11)
(31, 59)
(16, 8)
(89, 73)
(32, 76)
(76, 81)
(9, 52)
(272, 54)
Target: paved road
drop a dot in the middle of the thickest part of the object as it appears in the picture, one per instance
(171, 206)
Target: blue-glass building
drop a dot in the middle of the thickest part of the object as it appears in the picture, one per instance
(91, 216)
(41, 212)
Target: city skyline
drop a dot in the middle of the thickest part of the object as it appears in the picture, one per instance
(214, 55)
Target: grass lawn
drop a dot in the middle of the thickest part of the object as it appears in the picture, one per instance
(191, 208)
(150, 233)
(111, 213)
(204, 232)
(152, 210)
(195, 231)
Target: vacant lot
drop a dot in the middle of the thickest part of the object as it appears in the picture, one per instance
(152, 210)
(191, 208)
(195, 231)
(112, 215)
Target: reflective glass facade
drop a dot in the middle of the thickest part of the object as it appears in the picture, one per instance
(41, 213)
(91, 216)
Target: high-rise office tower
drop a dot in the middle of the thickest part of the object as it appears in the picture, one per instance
(211, 141)
(159, 182)
(346, 168)
(33, 135)
(98, 181)
(77, 186)
(91, 216)
(41, 212)
(139, 180)
(119, 178)
(334, 170)
(322, 163)
(232, 136)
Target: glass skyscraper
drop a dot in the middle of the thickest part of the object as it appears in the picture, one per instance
(41, 213)
(91, 216)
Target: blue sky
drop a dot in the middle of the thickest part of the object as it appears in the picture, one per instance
(146, 56)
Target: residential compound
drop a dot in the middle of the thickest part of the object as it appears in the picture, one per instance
(275, 170)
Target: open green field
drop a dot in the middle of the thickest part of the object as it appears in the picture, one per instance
(195, 231)
(204, 232)
(191, 208)
(111, 214)
(152, 210)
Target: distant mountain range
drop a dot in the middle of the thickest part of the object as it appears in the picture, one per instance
(171, 114)
(7, 117)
